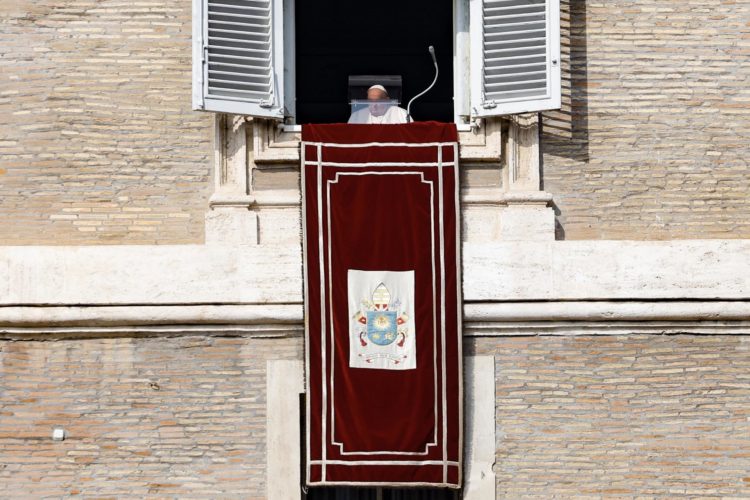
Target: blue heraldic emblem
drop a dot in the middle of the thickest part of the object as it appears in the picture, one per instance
(382, 326)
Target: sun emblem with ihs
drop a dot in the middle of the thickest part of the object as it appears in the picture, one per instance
(382, 322)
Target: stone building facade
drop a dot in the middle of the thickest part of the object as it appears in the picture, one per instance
(151, 287)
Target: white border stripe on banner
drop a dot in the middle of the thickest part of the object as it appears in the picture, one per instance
(386, 484)
(459, 317)
(324, 389)
(434, 307)
(390, 462)
(381, 164)
(442, 310)
(381, 144)
(307, 315)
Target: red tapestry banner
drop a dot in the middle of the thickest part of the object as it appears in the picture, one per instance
(382, 304)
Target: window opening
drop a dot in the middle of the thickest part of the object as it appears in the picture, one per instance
(338, 38)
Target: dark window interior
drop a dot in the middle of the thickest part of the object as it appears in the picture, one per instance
(338, 38)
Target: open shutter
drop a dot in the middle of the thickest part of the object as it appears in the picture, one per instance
(238, 57)
(515, 60)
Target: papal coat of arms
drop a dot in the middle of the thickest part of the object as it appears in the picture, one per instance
(381, 326)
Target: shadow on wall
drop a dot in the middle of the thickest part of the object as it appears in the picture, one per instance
(565, 132)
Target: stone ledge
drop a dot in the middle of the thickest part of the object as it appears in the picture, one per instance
(151, 315)
(606, 270)
(272, 274)
(284, 320)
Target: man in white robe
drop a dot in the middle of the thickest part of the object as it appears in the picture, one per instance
(378, 112)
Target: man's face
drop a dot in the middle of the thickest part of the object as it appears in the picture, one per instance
(377, 108)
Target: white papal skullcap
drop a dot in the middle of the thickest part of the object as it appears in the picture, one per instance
(378, 87)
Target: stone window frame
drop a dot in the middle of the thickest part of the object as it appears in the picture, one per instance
(510, 206)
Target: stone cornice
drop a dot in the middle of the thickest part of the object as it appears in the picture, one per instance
(509, 288)
(284, 320)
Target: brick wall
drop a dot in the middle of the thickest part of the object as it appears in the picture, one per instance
(149, 417)
(622, 417)
(584, 417)
(98, 143)
(654, 138)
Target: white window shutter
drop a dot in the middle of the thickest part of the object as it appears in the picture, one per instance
(515, 59)
(238, 52)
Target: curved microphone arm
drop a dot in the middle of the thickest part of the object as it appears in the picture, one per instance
(434, 61)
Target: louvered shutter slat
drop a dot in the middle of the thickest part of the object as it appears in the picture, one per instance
(248, 43)
(228, 48)
(239, 34)
(232, 25)
(510, 77)
(516, 62)
(515, 56)
(238, 59)
(261, 6)
(241, 77)
(237, 18)
(518, 51)
(224, 66)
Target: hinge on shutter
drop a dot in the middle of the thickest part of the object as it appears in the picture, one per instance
(204, 76)
(489, 104)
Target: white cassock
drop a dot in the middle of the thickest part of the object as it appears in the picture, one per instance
(393, 114)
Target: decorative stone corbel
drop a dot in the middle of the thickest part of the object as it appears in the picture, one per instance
(527, 214)
(272, 145)
(230, 219)
(482, 144)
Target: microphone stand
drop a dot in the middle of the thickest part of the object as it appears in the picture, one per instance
(409, 119)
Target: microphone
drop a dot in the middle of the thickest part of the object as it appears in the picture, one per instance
(434, 61)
